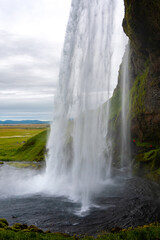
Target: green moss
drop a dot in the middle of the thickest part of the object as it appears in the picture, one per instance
(19, 226)
(150, 156)
(8, 228)
(22, 231)
(137, 95)
(3, 223)
(148, 164)
(153, 155)
(150, 232)
(115, 106)
(33, 228)
(143, 144)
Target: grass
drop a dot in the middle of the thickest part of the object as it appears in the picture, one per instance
(147, 232)
(14, 138)
(150, 232)
(10, 235)
(34, 149)
(25, 133)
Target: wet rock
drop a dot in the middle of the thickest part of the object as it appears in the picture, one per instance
(142, 25)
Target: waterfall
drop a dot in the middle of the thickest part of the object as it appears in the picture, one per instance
(125, 124)
(80, 152)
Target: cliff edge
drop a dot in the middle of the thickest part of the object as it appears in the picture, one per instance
(142, 25)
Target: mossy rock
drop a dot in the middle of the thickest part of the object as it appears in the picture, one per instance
(152, 155)
(3, 223)
(8, 228)
(115, 105)
(148, 164)
(142, 23)
(143, 145)
(59, 234)
(33, 228)
(138, 94)
(116, 230)
(19, 226)
(147, 157)
(15, 229)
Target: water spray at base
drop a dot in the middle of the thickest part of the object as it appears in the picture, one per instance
(79, 160)
(80, 151)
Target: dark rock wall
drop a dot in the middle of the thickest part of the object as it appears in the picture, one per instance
(142, 25)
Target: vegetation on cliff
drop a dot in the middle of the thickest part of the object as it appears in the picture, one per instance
(115, 106)
(22, 231)
(137, 95)
(142, 25)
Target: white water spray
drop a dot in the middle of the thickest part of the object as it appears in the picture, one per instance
(125, 124)
(79, 152)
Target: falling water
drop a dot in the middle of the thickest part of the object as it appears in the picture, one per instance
(125, 124)
(79, 158)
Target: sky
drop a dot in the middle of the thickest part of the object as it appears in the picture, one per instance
(31, 40)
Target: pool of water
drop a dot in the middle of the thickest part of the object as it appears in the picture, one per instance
(132, 202)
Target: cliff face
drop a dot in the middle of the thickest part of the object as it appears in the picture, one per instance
(142, 25)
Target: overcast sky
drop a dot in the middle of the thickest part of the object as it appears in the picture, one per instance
(31, 39)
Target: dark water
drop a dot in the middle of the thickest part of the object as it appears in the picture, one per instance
(135, 202)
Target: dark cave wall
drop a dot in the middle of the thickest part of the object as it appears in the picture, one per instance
(142, 26)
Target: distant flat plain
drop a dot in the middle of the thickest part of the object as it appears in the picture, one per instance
(13, 137)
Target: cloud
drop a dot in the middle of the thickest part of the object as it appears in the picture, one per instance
(39, 18)
(28, 70)
(31, 40)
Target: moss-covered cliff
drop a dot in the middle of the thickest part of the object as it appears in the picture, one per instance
(142, 25)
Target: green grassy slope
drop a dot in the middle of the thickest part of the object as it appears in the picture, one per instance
(34, 149)
(14, 137)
